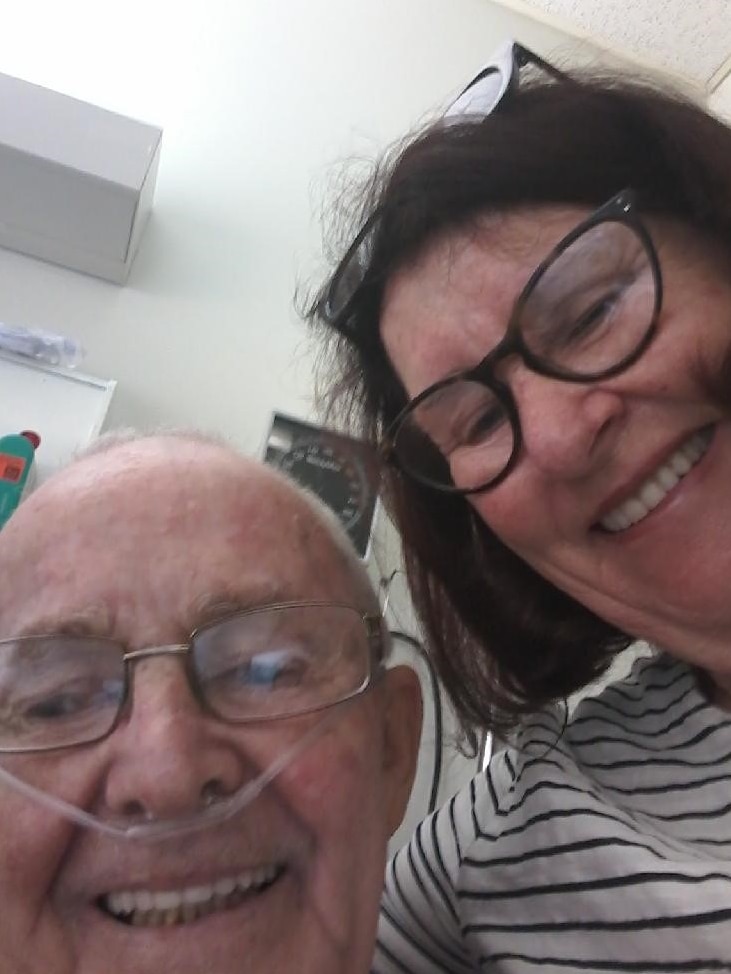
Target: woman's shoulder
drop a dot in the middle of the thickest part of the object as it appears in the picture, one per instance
(651, 723)
(657, 711)
(582, 820)
(642, 741)
(648, 685)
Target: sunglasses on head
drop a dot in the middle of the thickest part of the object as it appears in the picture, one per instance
(487, 90)
(481, 97)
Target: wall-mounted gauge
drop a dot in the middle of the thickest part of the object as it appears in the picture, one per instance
(341, 470)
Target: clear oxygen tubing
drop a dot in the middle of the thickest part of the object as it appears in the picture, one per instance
(149, 829)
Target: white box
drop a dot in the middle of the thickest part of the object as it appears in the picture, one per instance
(76, 181)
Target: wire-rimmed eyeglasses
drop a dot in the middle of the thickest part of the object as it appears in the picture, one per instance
(587, 313)
(489, 89)
(257, 665)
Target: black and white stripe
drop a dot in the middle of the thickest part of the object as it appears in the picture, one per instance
(604, 846)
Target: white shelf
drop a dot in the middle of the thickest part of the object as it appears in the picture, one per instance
(66, 408)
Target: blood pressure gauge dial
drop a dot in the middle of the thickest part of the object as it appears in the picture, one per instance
(339, 469)
(333, 475)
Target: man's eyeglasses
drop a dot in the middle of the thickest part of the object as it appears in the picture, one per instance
(490, 87)
(588, 312)
(262, 664)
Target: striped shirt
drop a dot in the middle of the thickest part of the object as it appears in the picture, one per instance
(604, 845)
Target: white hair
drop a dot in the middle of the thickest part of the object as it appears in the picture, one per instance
(127, 434)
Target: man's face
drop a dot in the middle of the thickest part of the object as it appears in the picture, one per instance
(133, 544)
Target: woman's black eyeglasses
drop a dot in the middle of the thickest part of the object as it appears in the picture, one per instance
(588, 312)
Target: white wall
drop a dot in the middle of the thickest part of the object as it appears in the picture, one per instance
(260, 103)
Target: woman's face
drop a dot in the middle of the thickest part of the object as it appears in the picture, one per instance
(596, 455)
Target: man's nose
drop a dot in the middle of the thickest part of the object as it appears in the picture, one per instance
(569, 429)
(169, 758)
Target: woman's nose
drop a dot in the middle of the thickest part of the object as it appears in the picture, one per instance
(568, 428)
(169, 758)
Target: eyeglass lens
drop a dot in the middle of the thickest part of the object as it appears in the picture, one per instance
(593, 304)
(349, 276)
(279, 662)
(479, 99)
(63, 688)
(481, 96)
(56, 691)
(587, 313)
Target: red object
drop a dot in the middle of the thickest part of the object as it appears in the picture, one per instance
(32, 437)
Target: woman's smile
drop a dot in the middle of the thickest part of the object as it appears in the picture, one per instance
(637, 504)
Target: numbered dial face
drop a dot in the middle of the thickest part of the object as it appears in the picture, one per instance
(331, 473)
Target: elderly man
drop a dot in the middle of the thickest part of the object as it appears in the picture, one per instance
(202, 752)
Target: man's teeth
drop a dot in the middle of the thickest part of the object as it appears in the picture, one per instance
(143, 908)
(656, 487)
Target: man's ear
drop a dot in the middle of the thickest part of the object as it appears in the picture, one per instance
(403, 715)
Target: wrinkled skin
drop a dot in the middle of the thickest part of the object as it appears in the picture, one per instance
(133, 542)
(590, 447)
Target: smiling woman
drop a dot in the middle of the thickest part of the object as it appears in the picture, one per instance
(534, 326)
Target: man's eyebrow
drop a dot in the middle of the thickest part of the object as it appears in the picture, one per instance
(98, 621)
(218, 605)
(93, 621)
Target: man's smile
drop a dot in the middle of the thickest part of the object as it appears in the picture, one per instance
(185, 904)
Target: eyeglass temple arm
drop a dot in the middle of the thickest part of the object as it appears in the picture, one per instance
(525, 55)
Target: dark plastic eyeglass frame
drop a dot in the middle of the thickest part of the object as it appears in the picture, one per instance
(521, 57)
(374, 628)
(621, 208)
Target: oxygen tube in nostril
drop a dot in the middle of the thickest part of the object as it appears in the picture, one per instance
(150, 829)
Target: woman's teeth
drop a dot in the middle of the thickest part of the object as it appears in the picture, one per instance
(659, 485)
(143, 908)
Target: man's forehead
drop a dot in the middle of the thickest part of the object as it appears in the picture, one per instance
(93, 544)
(166, 484)
(164, 466)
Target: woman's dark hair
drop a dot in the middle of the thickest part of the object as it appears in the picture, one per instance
(506, 641)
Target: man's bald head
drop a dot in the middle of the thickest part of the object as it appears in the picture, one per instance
(167, 480)
(174, 618)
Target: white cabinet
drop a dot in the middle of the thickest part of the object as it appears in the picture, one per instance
(66, 408)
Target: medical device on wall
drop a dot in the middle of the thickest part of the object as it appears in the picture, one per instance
(341, 470)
